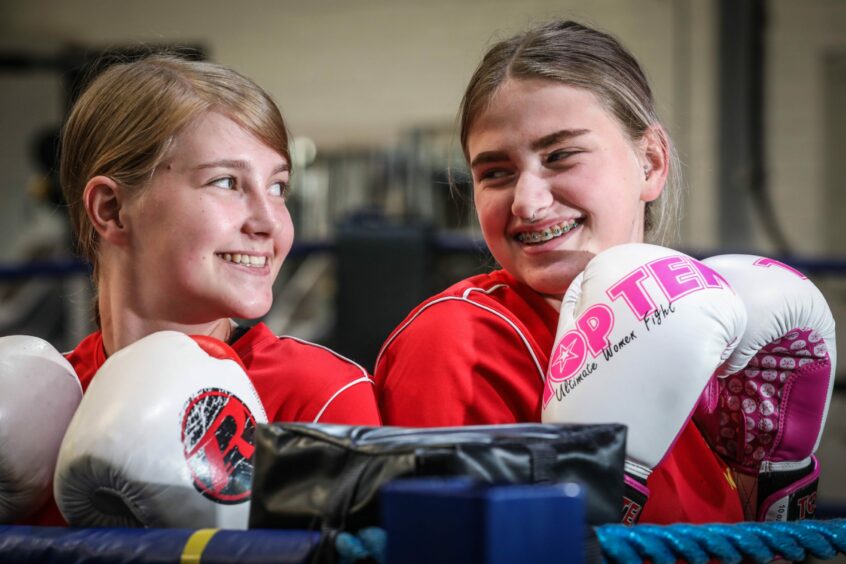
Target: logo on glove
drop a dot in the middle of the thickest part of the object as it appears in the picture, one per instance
(675, 276)
(218, 438)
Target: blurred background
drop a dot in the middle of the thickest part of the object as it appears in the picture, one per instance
(752, 92)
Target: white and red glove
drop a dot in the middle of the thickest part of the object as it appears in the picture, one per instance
(162, 438)
(641, 331)
(39, 392)
(765, 410)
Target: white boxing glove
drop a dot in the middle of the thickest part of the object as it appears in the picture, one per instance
(39, 392)
(162, 438)
(641, 331)
(765, 411)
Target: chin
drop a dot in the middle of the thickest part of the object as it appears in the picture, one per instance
(251, 312)
(547, 283)
(553, 278)
(237, 307)
(550, 287)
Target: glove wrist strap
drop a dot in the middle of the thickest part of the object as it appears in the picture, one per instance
(788, 495)
(635, 495)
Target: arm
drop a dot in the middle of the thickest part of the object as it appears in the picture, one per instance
(353, 404)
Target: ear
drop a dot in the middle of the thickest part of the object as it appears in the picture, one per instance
(103, 199)
(655, 158)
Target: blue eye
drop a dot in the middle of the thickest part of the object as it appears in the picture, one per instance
(279, 189)
(226, 182)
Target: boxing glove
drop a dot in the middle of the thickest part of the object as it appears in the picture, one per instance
(39, 392)
(640, 333)
(764, 412)
(162, 438)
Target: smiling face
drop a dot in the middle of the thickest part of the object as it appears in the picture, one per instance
(556, 181)
(210, 231)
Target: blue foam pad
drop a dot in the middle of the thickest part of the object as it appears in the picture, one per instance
(446, 521)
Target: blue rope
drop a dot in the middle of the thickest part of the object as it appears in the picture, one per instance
(369, 543)
(758, 542)
(735, 543)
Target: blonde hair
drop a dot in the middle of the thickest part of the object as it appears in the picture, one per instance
(576, 55)
(126, 119)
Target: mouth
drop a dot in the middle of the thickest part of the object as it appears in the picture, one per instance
(244, 259)
(548, 233)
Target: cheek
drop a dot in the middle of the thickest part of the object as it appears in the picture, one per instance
(492, 212)
(622, 223)
(607, 193)
(285, 233)
(283, 240)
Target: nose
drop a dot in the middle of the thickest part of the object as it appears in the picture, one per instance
(532, 197)
(263, 215)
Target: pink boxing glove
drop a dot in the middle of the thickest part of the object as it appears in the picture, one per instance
(640, 333)
(764, 412)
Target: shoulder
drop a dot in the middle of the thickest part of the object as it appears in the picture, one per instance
(318, 355)
(483, 295)
(481, 303)
(464, 356)
(296, 379)
(333, 379)
(260, 345)
(486, 283)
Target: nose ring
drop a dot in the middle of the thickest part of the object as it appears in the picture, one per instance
(533, 218)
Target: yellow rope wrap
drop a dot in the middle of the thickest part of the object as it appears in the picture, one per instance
(195, 545)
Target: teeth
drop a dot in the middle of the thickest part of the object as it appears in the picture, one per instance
(243, 259)
(548, 233)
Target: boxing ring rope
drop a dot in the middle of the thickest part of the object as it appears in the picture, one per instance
(759, 542)
(59, 545)
(667, 544)
(739, 542)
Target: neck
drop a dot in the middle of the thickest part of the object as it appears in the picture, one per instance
(124, 320)
(554, 301)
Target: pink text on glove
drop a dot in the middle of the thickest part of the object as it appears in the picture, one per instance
(676, 276)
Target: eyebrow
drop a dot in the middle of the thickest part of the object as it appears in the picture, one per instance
(238, 164)
(537, 145)
(557, 137)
